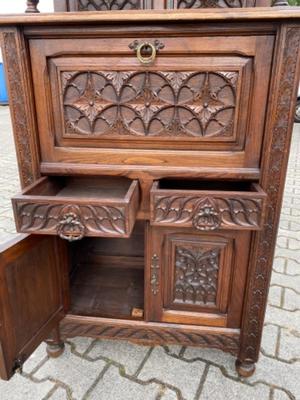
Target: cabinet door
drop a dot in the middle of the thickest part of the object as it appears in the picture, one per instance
(196, 278)
(31, 299)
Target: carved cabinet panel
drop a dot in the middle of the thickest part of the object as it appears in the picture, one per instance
(196, 101)
(196, 278)
(108, 5)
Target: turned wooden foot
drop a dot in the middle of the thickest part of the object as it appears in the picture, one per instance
(54, 350)
(244, 369)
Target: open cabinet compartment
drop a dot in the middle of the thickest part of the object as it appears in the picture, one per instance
(76, 207)
(107, 276)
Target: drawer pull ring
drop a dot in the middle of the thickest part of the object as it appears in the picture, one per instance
(148, 48)
(70, 227)
(207, 217)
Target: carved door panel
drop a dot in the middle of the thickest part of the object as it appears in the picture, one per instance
(197, 278)
(199, 104)
(31, 296)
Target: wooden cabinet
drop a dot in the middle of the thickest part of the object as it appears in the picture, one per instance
(197, 278)
(152, 151)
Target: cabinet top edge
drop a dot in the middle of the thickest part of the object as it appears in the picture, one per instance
(204, 15)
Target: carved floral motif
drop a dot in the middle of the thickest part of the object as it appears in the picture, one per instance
(196, 275)
(151, 103)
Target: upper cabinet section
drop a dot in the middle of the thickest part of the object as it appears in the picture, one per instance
(196, 100)
(107, 5)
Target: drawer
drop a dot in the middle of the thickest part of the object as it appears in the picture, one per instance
(76, 207)
(208, 206)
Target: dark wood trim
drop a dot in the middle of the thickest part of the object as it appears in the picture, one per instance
(275, 150)
(21, 103)
(140, 16)
(150, 333)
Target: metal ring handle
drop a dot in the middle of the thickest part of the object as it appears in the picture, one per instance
(146, 60)
(70, 228)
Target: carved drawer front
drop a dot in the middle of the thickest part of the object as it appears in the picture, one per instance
(116, 100)
(197, 278)
(207, 206)
(76, 207)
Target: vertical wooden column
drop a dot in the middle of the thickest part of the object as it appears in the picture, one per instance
(275, 150)
(21, 101)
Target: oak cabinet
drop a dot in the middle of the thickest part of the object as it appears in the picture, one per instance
(152, 150)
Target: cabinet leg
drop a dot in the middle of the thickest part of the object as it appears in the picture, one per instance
(55, 346)
(244, 368)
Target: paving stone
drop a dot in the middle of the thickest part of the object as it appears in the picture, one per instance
(282, 242)
(279, 264)
(115, 387)
(125, 353)
(81, 344)
(72, 370)
(215, 356)
(35, 359)
(173, 349)
(277, 373)
(292, 282)
(283, 318)
(180, 374)
(217, 387)
(291, 300)
(59, 394)
(275, 294)
(292, 267)
(289, 348)
(169, 395)
(270, 339)
(21, 388)
(280, 395)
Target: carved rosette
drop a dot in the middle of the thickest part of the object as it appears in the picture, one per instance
(208, 213)
(273, 183)
(151, 103)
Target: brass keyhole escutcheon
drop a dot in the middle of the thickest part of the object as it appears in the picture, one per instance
(149, 48)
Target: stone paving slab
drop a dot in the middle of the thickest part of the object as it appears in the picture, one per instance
(103, 370)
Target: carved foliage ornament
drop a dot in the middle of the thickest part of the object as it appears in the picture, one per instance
(196, 275)
(275, 169)
(71, 222)
(207, 213)
(195, 104)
